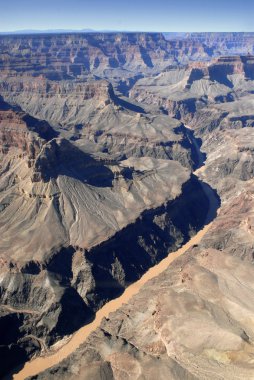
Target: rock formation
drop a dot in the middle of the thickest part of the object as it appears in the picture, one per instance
(67, 202)
(96, 187)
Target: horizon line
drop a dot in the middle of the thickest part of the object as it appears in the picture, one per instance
(90, 31)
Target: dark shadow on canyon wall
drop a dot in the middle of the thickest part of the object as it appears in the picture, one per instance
(125, 257)
(63, 158)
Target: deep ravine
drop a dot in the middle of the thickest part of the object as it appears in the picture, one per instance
(67, 346)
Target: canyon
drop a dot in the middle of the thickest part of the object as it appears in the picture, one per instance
(120, 150)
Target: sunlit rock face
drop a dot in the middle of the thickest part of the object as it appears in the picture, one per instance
(71, 55)
(101, 141)
(71, 199)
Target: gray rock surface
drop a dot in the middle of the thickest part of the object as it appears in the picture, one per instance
(77, 214)
(95, 188)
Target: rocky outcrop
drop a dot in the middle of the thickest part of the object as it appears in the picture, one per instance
(91, 113)
(201, 292)
(226, 130)
(22, 133)
(68, 209)
(219, 43)
(184, 91)
(73, 279)
(71, 55)
(206, 291)
(120, 57)
(87, 207)
(233, 65)
(59, 102)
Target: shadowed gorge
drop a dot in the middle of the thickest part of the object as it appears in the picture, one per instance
(126, 206)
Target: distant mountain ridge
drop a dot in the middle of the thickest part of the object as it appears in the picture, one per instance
(57, 31)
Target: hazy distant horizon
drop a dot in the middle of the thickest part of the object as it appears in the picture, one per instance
(133, 15)
(60, 31)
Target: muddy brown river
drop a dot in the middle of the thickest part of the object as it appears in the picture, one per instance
(42, 363)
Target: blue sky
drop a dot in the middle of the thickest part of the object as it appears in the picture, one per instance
(143, 15)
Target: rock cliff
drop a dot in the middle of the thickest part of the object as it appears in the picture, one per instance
(96, 187)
